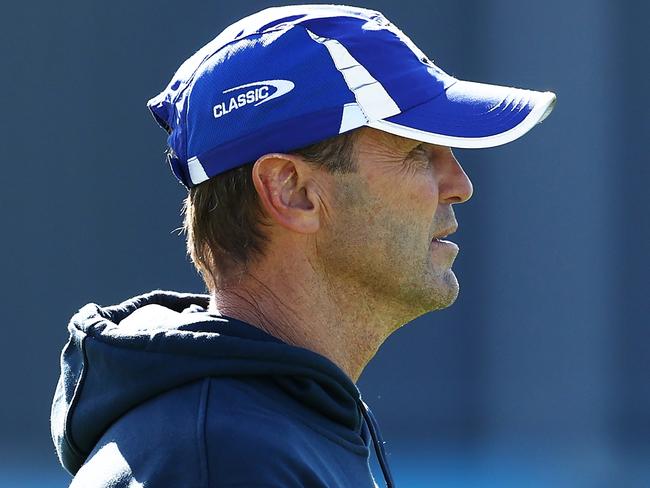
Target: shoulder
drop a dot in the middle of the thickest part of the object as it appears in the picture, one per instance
(223, 432)
(154, 444)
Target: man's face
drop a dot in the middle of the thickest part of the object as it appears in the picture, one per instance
(382, 232)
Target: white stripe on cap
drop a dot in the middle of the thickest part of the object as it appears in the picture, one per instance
(372, 98)
(197, 173)
(352, 118)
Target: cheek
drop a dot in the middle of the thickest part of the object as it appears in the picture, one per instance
(407, 221)
(379, 211)
(419, 199)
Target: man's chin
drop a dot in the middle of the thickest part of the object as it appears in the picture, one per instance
(446, 292)
(439, 295)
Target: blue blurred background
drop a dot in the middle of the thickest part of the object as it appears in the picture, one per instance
(537, 376)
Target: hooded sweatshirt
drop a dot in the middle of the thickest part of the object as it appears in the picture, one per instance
(158, 392)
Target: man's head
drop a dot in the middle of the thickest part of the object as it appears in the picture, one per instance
(261, 117)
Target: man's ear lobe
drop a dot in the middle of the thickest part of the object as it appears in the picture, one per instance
(282, 182)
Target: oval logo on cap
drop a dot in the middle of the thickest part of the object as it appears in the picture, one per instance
(254, 94)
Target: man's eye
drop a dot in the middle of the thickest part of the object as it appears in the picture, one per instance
(421, 154)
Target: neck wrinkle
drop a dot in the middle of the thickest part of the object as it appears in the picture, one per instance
(347, 337)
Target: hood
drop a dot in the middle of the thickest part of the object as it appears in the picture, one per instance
(118, 357)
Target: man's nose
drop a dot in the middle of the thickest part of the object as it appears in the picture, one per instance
(454, 186)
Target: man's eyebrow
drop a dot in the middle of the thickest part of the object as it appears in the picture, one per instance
(411, 156)
(429, 146)
(418, 147)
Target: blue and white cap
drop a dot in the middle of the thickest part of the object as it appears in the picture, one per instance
(287, 77)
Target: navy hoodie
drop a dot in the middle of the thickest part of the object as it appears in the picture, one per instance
(157, 392)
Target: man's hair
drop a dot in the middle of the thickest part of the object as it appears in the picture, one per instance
(223, 218)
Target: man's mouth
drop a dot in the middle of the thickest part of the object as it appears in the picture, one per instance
(438, 244)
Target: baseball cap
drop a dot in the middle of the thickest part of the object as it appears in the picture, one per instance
(287, 77)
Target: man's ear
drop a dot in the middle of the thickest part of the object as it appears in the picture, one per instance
(283, 183)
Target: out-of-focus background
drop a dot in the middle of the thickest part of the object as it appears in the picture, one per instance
(537, 376)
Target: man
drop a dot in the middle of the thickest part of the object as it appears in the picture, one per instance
(315, 143)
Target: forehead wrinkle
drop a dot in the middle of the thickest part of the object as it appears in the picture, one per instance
(387, 153)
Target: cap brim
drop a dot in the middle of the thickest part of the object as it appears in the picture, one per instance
(472, 115)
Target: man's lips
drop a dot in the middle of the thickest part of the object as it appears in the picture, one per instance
(444, 232)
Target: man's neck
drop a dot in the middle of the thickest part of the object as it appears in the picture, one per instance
(347, 326)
